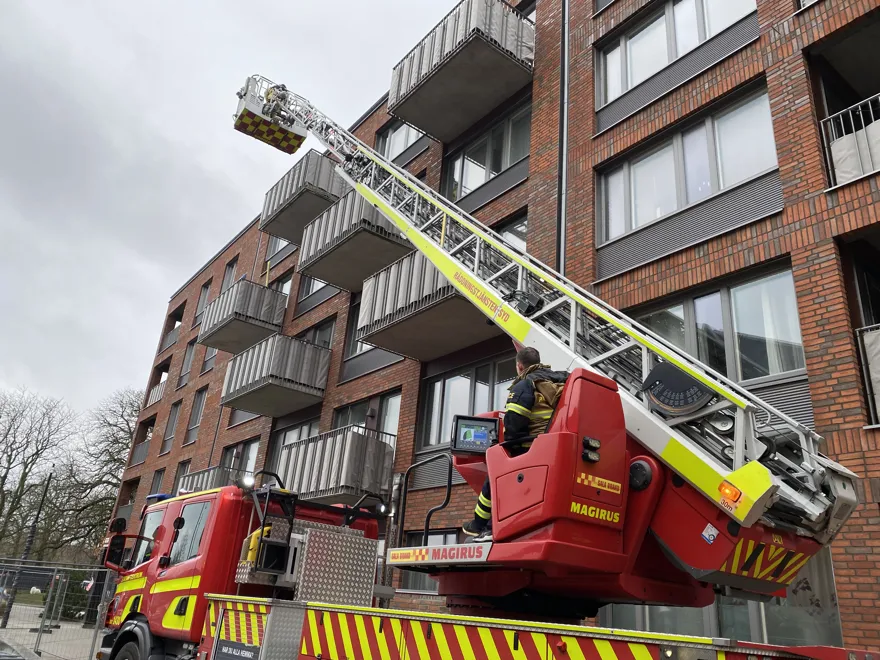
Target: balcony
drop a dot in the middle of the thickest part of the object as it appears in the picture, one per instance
(476, 58)
(411, 309)
(155, 395)
(169, 339)
(139, 454)
(868, 340)
(305, 192)
(244, 314)
(215, 477)
(852, 141)
(349, 242)
(340, 466)
(278, 376)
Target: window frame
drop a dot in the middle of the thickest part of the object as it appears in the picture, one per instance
(621, 42)
(279, 283)
(202, 303)
(353, 347)
(154, 488)
(186, 364)
(731, 347)
(204, 515)
(708, 123)
(279, 244)
(305, 283)
(384, 134)
(454, 160)
(190, 427)
(426, 425)
(310, 334)
(231, 267)
(173, 419)
(209, 360)
(178, 475)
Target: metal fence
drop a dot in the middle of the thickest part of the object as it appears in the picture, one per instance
(852, 141)
(53, 610)
(868, 341)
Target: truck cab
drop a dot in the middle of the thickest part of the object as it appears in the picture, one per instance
(199, 543)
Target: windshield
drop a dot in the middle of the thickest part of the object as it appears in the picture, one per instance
(143, 547)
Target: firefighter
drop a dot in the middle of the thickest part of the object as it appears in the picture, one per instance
(530, 403)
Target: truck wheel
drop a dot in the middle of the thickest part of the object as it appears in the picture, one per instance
(130, 651)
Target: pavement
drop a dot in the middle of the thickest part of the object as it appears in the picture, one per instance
(68, 641)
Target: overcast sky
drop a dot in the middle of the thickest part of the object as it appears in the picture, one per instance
(120, 173)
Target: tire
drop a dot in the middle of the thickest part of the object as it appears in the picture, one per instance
(129, 651)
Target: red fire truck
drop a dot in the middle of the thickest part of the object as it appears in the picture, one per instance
(657, 481)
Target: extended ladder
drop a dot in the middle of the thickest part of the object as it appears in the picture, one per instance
(713, 433)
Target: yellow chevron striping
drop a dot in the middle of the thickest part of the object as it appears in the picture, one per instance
(398, 634)
(362, 637)
(641, 652)
(332, 650)
(442, 642)
(489, 647)
(380, 639)
(518, 653)
(573, 648)
(606, 651)
(748, 554)
(313, 631)
(346, 635)
(735, 566)
(463, 642)
(776, 556)
(415, 628)
(758, 562)
(796, 564)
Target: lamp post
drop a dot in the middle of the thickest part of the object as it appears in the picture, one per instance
(26, 552)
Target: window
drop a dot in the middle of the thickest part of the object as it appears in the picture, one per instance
(469, 391)
(203, 302)
(281, 439)
(412, 581)
(514, 232)
(745, 331)
(309, 285)
(389, 413)
(180, 473)
(229, 275)
(210, 359)
(488, 155)
(397, 138)
(674, 31)
(283, 284)
(187, 364)
(241, 457)
(156, 484)
(189, 537)
(352, 345)
(143, 547)
(240, 416)
(195, 416)
(168, 440)
(352, 415)
(321, 334)
(689, 167)
(275, 246)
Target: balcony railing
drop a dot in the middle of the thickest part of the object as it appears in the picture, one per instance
(852, 141)
(241, 316)
(155, 395)
(139, 453)
(476, 58)
(868, 340)
(169, 339)
(349, 242)
(300, 196)
(411, 309)
(340, 466)
(215, 477)
(278, 376)
(124, 511)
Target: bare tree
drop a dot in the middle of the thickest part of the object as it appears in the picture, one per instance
(88, 478)
(33, 429)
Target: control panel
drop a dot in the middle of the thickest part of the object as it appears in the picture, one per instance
(474, 435)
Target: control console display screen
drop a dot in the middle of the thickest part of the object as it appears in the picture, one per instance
(474, 434)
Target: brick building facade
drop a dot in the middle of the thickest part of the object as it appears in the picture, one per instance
(720, 158)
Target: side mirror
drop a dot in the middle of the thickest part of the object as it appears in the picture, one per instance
(178, 523)
(115, 551)
(118, 525)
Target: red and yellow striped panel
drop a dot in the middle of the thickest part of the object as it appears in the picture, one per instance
(264, 130)
(333, 634)
(242, 622)
(762, 561)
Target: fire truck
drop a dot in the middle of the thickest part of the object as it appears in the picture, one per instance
(657, 481)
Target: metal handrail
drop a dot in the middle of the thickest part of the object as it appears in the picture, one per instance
(851, 121)
(401, 526)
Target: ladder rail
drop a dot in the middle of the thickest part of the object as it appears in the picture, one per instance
(572, 326)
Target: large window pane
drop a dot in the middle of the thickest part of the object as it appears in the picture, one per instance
(612, 74)
(647, 52)
(505, 373)
(710, 332)
(653, 180)
(454, 179)
(678, 620)
(687, 36)
(474, 168)
(482, 402)
(389, 415)
(768, 333)
(520, 136)
(721, 14)
(698, 180)
(669, 324)
(808, 615)
(745, 141)
(615, 207)
(456, 401)
(625, 617)
(496, 157)
(515, 233)
(433, 413)
(733, 618)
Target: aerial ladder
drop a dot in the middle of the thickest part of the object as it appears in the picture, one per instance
(659, 480)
